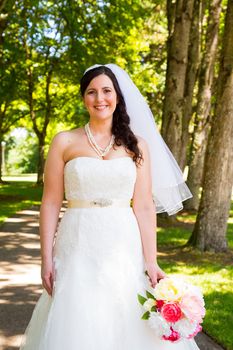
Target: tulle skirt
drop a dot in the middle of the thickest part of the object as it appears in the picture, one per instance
(99, 270)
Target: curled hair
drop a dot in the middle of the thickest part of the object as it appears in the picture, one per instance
(121, 120)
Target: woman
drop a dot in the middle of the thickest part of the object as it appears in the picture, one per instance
(93, 272)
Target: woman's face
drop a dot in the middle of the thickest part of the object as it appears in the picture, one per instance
(100, 97)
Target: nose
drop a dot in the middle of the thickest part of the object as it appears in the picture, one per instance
(99, 96)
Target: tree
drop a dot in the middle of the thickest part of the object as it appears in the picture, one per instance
(190, 79)
(177, 61)
(60, 40)
(210, 228)
(21, 159)
(203, 108)
(11, 107)
(42, 41)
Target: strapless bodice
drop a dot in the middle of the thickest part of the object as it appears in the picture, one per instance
(89, 178)
(99, 269)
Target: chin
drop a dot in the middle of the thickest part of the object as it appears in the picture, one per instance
(103, 116)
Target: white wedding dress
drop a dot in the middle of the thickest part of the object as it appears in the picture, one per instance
(99, 269)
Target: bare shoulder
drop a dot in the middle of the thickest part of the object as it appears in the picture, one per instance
(67, 134)
(64, 138)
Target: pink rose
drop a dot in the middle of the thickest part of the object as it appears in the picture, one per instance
(193, 307)
(174, 336)
(171, 312)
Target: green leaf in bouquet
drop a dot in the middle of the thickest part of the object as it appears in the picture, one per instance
(153, 308)
(146, 315)
(149, 295)
(141, 299)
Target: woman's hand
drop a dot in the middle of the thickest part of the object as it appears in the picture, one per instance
(47, 275)
(155, 273)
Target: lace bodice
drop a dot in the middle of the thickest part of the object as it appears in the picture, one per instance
(98, 269)
(89, 178)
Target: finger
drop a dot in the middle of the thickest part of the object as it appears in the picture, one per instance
(47, 285)
(154, 281)
(51, 281)
(48, 290)
(163, 275)
(46, 280)
(153, 284)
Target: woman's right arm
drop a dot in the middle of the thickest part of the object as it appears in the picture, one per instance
(50, 208)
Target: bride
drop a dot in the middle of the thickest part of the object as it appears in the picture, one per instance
(117, 173)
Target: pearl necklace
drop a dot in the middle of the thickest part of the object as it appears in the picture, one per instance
(100, 151)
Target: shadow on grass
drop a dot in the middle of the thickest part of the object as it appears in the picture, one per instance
(172, 246)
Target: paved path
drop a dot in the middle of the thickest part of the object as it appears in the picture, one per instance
(20, 279)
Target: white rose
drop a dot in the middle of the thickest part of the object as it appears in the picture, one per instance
(169, 289)
(159, 324)
(184, 327)
(148, 304)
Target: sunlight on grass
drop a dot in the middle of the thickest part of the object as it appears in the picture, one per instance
(24, 177)
(172, 236)
(16, 196)
(187, 218)
(215, 282)
(205, 270)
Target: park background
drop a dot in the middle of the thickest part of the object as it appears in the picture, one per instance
(180, 55)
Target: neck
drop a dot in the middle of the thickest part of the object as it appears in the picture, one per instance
(101, 127)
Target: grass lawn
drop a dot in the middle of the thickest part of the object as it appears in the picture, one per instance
(18, 195)
(212, 272)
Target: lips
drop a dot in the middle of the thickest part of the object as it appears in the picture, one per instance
(100, 108)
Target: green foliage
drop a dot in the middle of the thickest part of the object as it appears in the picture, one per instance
(12, 106)
(64, 38)
(141, 299)
(146, 315)
(22, 153)
(149, 295)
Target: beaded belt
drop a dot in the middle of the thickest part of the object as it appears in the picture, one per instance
(102, 202)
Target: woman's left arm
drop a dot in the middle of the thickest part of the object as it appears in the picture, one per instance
(144, 210)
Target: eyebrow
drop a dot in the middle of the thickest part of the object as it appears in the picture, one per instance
(105, 87)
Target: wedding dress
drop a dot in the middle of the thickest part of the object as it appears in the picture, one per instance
(99, 269)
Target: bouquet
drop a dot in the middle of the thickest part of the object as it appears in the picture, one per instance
(174, 309)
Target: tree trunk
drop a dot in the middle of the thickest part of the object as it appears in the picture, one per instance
(42, 135)
(210, 228)
(40, 130)
(175, 77)
(170, 17)
(2, 132)
(202, 117)
(41, 160)
(1, 138)
(192, 69)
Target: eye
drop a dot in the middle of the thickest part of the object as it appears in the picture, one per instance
(107, 91)
(90, 92)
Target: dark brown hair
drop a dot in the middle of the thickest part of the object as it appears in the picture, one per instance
(121, 120)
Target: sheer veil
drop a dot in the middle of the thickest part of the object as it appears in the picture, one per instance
(168, 186)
